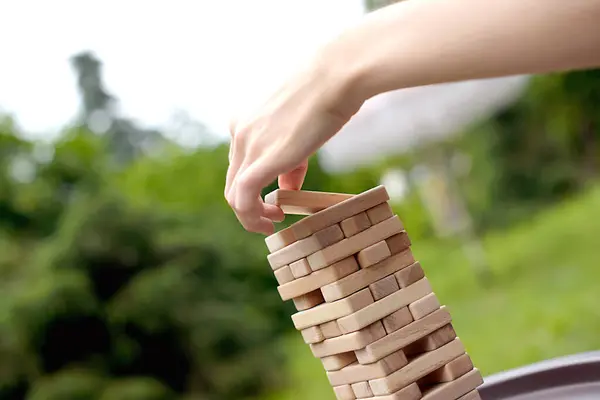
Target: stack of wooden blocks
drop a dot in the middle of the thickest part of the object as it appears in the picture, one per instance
(365, 306)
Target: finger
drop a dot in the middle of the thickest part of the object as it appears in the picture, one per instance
(294, 179)
(273, 212)
(236, 159)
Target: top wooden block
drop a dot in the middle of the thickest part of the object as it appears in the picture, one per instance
(327, 217)
(304, 202)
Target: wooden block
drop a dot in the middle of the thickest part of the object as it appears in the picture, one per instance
(384, 287)
(318, 279)
(312, 335)
(354, 244)
(379, 213)
(418, 368)
(384, 307)
(300, 268)
(357, 372)
(373, 254)
(309, 300)
(284, 275)
(424, 306)
(455, 389)
(362, 390)
(404, 336)
(338, 361)
(330, 311)
(397, 320)
(330, 216)
(355, 224)
(305, 247)
(449, 372)
(364, 277)
(344, 392)
(349, 342)
(330, 329)
(410, 275)
(472, 395)
(398, 242)
(411, 392)
(304, 202)
(434, 340)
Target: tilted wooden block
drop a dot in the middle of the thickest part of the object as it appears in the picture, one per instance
(472, 395)
(411, 392)
(397, 319)
(308, 300)
(384, 287)
(363, 278)
(434, 340)
(455, 389)
(357, 372)
(424, 306)
(362, 390)
(305, 247)
(284, 275)
(410, 275)
(330, 311)
(418, 368)
(384, 307)
(344, 392)
(332, 215)
(318, 279)
(312, 334)
(373, 254)
(330, 329)
(449, 372)
(304, 202)
(404, 336)
(349, 342)
(338, 361)
(354, 244)
(355, 224)
(379, 213)
(398, 242)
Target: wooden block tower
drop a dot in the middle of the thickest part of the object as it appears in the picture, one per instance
(365, 306)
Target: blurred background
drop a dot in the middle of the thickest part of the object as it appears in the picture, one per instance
(125, 275)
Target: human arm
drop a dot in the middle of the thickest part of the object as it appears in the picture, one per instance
(412, 43)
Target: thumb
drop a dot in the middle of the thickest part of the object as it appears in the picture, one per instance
(294, 179)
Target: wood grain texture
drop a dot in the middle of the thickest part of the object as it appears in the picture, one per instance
(304, 202)
(355, 224)
(384, 287)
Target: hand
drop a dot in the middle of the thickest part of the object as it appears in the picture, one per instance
(276, 141)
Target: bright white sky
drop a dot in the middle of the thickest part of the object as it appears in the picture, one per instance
(207, 57)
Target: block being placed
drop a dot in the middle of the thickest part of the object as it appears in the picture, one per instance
(379, 213)
(397, 319)
(373, 254)
(330, 329)
(455, 389)
(363, 278)
(362, 390)
(284, 275)
(410, 275)
(424, 306)
(449, 372)
(308, 300)
(338, 361)
(398, 243)
(304, 202)
(344, 392)
(418, 368)
(331, 215)
(357, 372)
(331, 311)
(349, 342)
(312, 334)
(384, 287)
(384, 307)
(305, 247)
(356, 243)
(355, 224)
(318, 279)
(404, 336)
(434, 340)
(300, 268)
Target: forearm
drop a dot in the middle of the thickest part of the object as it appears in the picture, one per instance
(422, 42)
